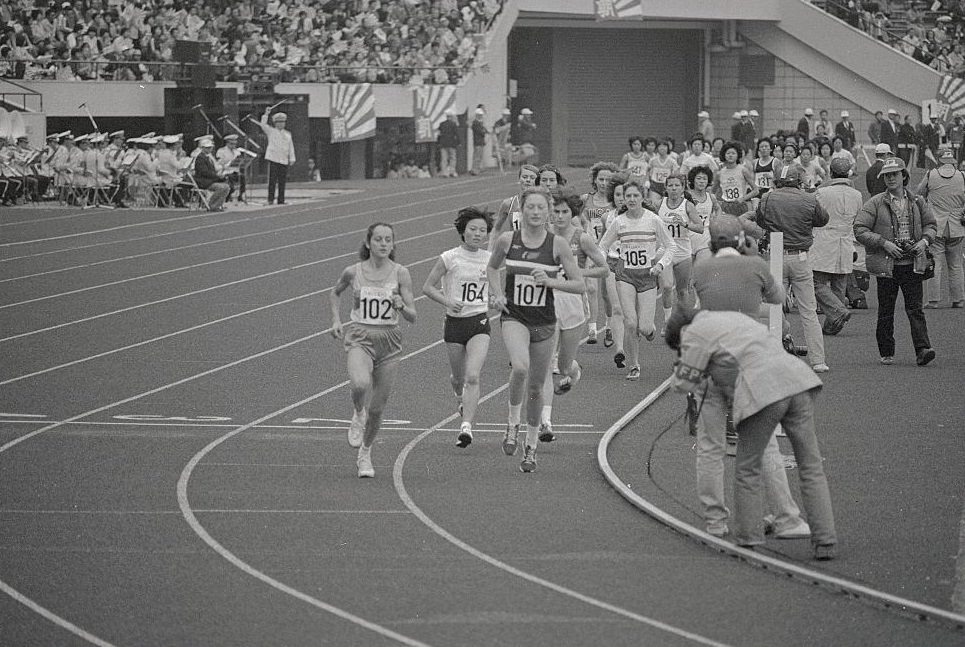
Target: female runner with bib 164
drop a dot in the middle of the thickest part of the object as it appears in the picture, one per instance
(464, 292)
(532, 257)
(381, 291)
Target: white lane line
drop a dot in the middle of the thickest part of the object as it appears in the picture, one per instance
(409, 503)
(199, 529)
(314, 223)
(147, 304)
(199, 510)
(53, 617)
(837, 584)
(227, 259)
(101, 231)
(74, 214)
(315, 208)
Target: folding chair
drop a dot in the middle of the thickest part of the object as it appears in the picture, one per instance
(199, 198)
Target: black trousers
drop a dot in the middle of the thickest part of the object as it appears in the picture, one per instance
(277, 177)
(237, 179)
(904, 279)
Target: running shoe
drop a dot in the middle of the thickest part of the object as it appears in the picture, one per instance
(591, 337)
(356, 428)
(546, 434)
(529, 460)
(634, 373)
(620, 359)
(568, 382)
(824, 552)
(510, 440)
(465, 436)
(364, 463)
(650, 335)
(607, 338)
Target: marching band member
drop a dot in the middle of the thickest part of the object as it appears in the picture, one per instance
(169, 170)
(12, 180)
(226, 157)
(59, 158)
(142, 176)
(207, 175)
(25, 162)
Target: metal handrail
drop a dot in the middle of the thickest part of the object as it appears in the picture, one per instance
(23, 92)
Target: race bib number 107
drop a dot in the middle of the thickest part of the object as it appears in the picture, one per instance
(526, 293)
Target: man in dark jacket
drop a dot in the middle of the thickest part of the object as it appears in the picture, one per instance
(889, 130)
(907, 138)
(448, 144)
(845, 130)
(805, 123)
(795, 213)
(873, 183)
(896, 227)
(206, 175)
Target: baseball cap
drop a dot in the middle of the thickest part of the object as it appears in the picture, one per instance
(840, 167)
(507, 111)
(744, 113)
(808, 111)
(279, 116)
(525, 111)
(736, 115)
(791, 175)
(725, 226)
(754, 113)
(480, 111)
(703, 113)
(892, 111)
(947, 155)
(892, 165)
(883, 149)
(845, 113)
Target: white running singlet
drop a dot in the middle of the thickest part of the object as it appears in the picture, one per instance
(465, 281)
(679, 233)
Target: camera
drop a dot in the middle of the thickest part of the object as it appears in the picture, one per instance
(792, 348)
(907, 247)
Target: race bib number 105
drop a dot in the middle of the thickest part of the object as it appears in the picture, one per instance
(635, 257)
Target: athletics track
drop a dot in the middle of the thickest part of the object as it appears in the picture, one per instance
(174, 471)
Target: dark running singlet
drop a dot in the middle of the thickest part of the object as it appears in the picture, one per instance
(764, 175)
(526, 302)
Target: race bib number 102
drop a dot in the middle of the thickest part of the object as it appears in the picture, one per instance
(375, 306)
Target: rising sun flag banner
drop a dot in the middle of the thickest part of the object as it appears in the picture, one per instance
(352, 112)
(619, 9)
(430, 103)
(951, 93)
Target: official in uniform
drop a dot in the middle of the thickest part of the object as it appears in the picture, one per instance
(279, 153)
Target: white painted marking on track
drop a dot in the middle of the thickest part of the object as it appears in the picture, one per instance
(23, 415)
(201, 510)
(101, 231)
(52, 617)
(512, 570)
(72, 214)
(199, 529)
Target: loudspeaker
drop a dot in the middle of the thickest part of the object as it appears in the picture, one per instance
(182, 116)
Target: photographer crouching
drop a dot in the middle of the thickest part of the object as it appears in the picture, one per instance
(896, 227)
(767, 387)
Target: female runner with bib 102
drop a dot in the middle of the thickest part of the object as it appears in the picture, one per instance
(381, 291)
(638, 231)
(465, 294)
(532, 257)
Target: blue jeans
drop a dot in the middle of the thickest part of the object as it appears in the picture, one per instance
(796, 415)
(798, 274)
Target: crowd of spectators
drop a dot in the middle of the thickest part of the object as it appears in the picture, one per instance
(930, 31)
(374, 41)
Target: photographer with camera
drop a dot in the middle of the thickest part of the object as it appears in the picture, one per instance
(896, 227)
(767, 387)
(735, 278)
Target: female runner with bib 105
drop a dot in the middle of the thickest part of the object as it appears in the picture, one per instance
(532, 257)
(638, 232)
(381, 291)
(461, 271)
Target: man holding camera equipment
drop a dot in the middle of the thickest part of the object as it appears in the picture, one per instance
(736, 279)
(767, 388)
(794, 212)
(896, 227)
(944, 190)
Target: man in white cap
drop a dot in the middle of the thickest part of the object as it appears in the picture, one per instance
(824, 121)
(526, 127)
(889, 130)
(748, 131)
(206, 175)
(479, 132)
(736, 127)
(944, 189)
(805, 124)
(226, 157)
(845, 130)
(705, 126)
(279, 153)
(873, 184)
(502, 129)
(931, 135)
(449, 139)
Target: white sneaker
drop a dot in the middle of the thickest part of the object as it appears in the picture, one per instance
(800, 530)
(356, 429)
(465, 436)
(364, 463)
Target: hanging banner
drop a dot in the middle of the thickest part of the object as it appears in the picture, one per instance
(949, 98)
(618, 9)
(352, 112)
(430, 103)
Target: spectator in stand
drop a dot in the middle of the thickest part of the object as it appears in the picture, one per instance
(907, 139)
(930, 139)
(525, 136)
(955, 133)
(824, 121)
(748, 132)
(502, 129)
(873, 183)
(737, 128)
(874, 129)
(448, 145)
(845, 130)
(944, 189)
(479, 133)
(889, 130)
(804, 125)
(705, 126)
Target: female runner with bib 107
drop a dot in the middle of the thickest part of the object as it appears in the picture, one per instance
(381, 291)
(532, 257)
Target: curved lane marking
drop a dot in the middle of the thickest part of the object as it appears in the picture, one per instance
(889, 601)
(512, 570)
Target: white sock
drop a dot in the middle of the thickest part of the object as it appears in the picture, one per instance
(666, 315)
(591, 329)
(547, 414)
(606, 325)
(515, 412)
(465, 427)
(365, 451)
